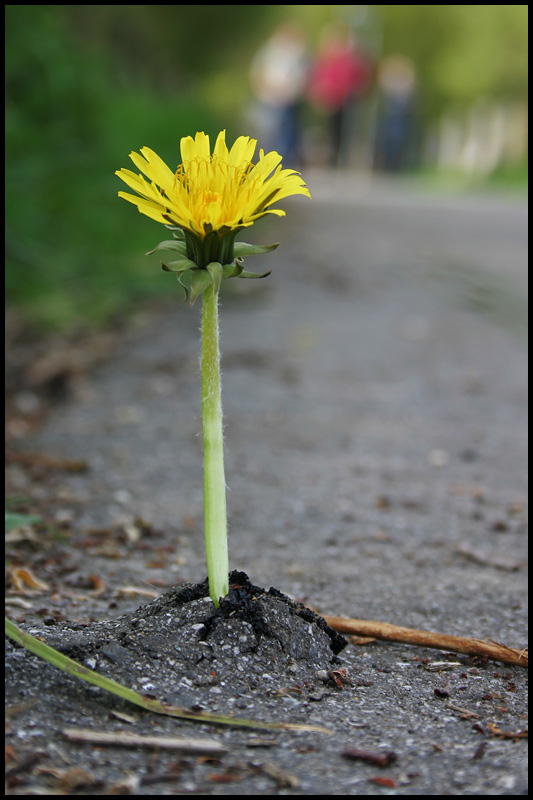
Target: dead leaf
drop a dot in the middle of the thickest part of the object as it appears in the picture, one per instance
(229, 776)
(18, 602)
(377, 758)
(339, 677)
(283, 779)
(10, 754)
(507, 734)
(130, 590)
(383, 782)
(75, 778)
(465, 712)
(124, 717)
(23, 577)
(99, 585)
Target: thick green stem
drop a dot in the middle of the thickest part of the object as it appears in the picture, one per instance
(215, 524)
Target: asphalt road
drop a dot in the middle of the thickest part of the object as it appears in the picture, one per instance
(375, 410)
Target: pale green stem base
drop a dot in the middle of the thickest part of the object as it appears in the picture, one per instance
(215, 523)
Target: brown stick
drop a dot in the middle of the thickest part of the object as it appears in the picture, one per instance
(438, 641)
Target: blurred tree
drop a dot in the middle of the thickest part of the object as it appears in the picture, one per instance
(461, 53)
(171, 44)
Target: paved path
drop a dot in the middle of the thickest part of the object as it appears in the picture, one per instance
(375, 402)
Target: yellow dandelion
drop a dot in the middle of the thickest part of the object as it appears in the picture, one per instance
(223, 191)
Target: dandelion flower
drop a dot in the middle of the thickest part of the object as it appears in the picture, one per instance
(223, 191)
(208, 200)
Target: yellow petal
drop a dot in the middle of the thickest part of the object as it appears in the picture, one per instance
(242, 151)
(221, 150)
(151, 210)
(159, 172)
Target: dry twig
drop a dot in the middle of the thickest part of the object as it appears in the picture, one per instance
(437, 641)
(208, 746)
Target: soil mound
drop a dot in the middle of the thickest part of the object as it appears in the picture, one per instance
(179, 645)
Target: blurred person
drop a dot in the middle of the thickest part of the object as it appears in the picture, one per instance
(396, 138)
(278, 76)
(339, 78)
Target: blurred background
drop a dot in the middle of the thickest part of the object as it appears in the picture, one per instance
(433, 93)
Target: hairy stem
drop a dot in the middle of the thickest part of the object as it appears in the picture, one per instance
(215, 524)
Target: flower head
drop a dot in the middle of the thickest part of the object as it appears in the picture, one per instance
(221, 191)
(209, 199)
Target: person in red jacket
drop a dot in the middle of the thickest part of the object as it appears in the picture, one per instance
(339, 76)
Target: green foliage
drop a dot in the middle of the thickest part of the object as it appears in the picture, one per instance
(74, 254)
(462, 53)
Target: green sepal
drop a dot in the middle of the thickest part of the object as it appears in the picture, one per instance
(172, 244)
(232, 270)
(242, 249)
(184, 279)
(184, 289)
(245, 274)
(177, 233)
(216, 271)
(200, 280)
(179, 266)
(211, 248)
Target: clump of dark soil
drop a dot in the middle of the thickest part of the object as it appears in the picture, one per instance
(183, 650)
